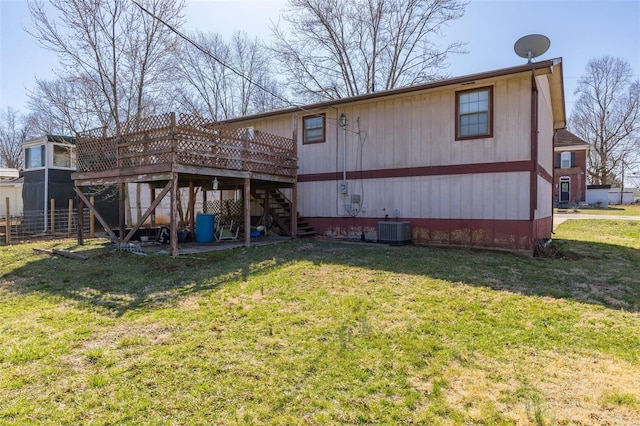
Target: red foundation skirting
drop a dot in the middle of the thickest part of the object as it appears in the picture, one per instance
(517, 235)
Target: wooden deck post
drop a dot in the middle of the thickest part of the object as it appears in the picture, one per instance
(247, 212)
(80, 222)
(121, 211)
(173, 233)
(192, 208)
(294, 190)
(7, 204)
(92, 225)
(294, 211)
(70, 218)
(204, 201)
(52, 216)
(153, 213)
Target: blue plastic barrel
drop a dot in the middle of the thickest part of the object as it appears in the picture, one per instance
(204, 228)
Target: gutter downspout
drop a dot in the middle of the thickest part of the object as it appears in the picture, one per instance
(343, 124)
(534, 147)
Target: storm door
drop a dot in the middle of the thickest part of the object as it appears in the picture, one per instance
(565, 189)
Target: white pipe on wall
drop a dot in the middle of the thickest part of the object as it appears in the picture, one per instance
(343, 124)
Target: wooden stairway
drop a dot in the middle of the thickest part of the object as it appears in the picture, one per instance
(280, 211)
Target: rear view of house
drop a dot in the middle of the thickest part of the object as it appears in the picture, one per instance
(466, 161)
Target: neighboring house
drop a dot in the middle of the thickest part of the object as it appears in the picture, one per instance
(49, 162)
(570, 170)
(11, 187)
(467, 161)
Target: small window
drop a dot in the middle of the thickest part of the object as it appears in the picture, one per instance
(64, 156)
(248, 132)
(34, 157)
(566, 160)
(313, 128)
(473, 113)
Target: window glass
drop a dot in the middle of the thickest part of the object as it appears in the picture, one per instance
(63, 156)
(34, 157)
(313, 129)
(565, 160)
(474, 113)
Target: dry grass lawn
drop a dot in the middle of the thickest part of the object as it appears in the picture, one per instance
(317, 332)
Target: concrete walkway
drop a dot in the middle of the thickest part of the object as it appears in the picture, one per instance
(559, 218)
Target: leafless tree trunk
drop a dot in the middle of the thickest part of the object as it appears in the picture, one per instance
(14, 130)
(339, 49)
(607, 115)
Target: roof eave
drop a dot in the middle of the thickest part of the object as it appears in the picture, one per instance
(543, 67)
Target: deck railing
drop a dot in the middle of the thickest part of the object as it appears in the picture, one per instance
(186, 140)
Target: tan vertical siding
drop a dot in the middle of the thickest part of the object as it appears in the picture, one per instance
(545, 148)
(418, 130)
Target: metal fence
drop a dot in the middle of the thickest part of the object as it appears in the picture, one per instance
(33, 225)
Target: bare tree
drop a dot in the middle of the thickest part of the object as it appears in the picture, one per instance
(607, 115)
(344, 48)
(226, 79)
(14, 129)
(67, 105)
(114, 57)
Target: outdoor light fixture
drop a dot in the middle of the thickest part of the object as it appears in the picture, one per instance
(215, 183)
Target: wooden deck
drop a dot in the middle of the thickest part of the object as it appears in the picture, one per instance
(172, 150)
(154, 148)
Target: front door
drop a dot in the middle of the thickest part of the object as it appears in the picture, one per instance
(565, 189)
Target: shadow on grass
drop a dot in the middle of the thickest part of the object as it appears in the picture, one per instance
(119, 282)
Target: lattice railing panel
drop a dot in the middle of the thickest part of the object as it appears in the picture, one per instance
(96, 151)
(189, 140)
(225, 211)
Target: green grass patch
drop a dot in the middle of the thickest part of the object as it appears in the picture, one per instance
(615, 210)
(315, 332)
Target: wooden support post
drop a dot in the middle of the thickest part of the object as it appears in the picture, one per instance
(8, 221)
(153, 213)
(173, 233)
(294, 211)
(92, 226)
(70, 218)
(52, 216)
(204, 200)
(192, 208)
(267, 212)
(146, 214)
(80, 222)
(247, 212)
(121, 211)
(294, 190)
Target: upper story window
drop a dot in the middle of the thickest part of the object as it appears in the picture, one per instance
(474, 113)
(64, 156)
(313, 128)
(566, 160)
(35, 157)
(55, 155)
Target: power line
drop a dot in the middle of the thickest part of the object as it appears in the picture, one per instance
(215, 58)
(229, 67)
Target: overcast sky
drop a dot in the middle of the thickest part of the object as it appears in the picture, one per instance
(578, 30)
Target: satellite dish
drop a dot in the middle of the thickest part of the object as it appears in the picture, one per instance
(531, 46)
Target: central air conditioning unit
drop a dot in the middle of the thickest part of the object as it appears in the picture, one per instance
(394, 232)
